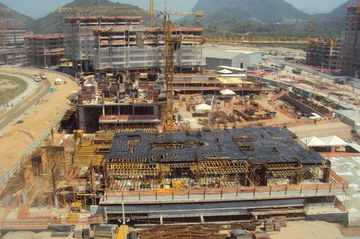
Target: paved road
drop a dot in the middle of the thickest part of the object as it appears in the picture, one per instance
(18, 109)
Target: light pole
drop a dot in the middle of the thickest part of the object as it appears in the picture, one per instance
(123, 219)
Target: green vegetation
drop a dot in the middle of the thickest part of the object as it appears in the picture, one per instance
(10, 87)
(267, 18)
(234, 26)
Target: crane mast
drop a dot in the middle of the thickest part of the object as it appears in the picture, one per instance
(171, 44)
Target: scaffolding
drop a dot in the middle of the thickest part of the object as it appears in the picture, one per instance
(217, 159)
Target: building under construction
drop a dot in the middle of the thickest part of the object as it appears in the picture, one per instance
(350, 50)
(213, 83)
(235, 174)
(116, 101)
(80, 39)
(13, 47)
(44, 50)
(139, 47)
(324, 53)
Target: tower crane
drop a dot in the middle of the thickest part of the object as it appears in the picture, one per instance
(152, 13)
(171, 45)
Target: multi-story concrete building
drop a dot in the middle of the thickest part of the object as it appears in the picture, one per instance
(324, 53)
(79, 37)
(123, 42)
(140, 48)
(45, 50)
(350, 48)
(13, 47)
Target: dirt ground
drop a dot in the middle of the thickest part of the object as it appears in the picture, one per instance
(309, 230)
(323, 130)
(18, 137)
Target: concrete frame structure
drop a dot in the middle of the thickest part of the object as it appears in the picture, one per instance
(109, 105)
(141, 48)
(324, 53)
(44, 50)
(350, 48)
(213, 84)
(15, 52)
(79, 38)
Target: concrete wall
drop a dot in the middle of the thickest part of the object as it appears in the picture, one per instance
(241, 60)
(214, 63)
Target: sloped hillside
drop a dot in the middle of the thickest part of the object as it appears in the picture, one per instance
(17, 20)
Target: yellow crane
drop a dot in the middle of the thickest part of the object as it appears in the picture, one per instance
(171, 44)
(152, 13)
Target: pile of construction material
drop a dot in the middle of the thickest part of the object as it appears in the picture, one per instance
(275, 224)
(104, 231)
(203, 231)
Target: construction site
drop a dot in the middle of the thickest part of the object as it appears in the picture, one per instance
(149, 143)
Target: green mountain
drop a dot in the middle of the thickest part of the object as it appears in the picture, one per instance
(261, 11)
(338, 13)
(15, 19)
(267, 18)
(54, 22)
(332, 22)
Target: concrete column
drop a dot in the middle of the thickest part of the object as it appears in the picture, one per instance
(82, 120)
(24, 197)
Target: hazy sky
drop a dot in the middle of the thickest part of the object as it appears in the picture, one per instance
(40, 8)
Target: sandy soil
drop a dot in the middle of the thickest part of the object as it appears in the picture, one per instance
(19, 137)
(323, 130)
(308, 230)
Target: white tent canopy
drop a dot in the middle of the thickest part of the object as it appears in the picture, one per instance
(58, 80)
(225, 71)
(203, 107)
(334, 141)
(313, 142)
(227, 92)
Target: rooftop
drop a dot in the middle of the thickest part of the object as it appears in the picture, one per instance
(229, 54)
(256, 145)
